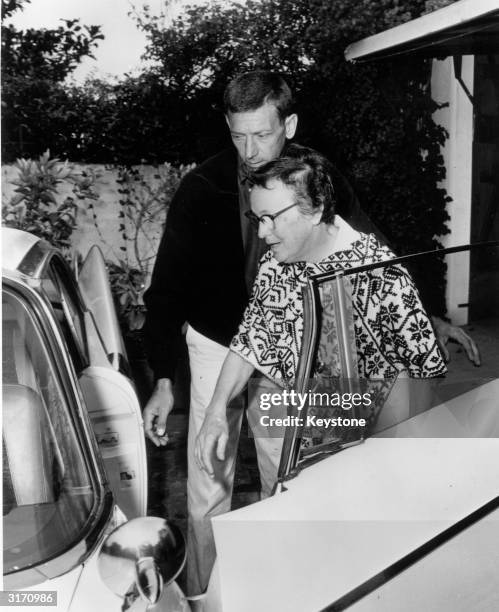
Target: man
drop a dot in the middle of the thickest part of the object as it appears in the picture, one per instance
(203, 275)
(204, 271)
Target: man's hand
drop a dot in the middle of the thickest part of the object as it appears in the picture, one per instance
(214, 433)
(445, 332)
(156, 412)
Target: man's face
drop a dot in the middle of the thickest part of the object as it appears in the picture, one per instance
(259, 135)
(290, 236)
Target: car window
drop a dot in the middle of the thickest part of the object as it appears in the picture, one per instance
(368, 368)
(63, 294)
(48, 498)
(93, 283)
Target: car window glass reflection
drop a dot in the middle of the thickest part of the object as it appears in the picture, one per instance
(47, 492)
(456, 402)
(62, 294)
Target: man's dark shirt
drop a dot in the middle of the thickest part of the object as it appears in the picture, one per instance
(199, 274)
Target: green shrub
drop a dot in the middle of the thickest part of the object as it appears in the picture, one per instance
(36, 206)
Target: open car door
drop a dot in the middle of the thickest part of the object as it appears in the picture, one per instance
(94, 285)
(109, 393)
(368, 514)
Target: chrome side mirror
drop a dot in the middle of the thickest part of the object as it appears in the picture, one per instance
(146, 552)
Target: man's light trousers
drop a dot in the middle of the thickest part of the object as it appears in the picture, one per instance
(207, 497)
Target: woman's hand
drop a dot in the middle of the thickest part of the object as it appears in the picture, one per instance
(214, 433)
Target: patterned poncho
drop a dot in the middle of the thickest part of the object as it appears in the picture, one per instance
(392, 330)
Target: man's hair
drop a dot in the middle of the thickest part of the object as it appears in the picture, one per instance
(308, 173)
(251, 90)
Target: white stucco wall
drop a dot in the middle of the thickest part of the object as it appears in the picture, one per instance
(457, 119)
(107, 209)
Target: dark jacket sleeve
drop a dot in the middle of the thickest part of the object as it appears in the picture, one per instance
(167, 298)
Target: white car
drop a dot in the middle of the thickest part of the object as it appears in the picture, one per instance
(74, 461)
(399, 514)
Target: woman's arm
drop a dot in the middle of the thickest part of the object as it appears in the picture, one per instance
(214, 432)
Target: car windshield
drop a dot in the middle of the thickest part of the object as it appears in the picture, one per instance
(47, 492)
(352, 337)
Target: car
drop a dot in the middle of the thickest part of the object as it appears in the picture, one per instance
(399, 509)
(365, 517)
(74, 457)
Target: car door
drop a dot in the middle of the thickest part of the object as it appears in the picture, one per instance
(367, 523)
(329, 351)
(55, 502)
(89, 323)
(93, 282)
(455, 415)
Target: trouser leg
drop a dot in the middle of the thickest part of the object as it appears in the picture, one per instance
(206, 497)
(268, 452)
(268, 447)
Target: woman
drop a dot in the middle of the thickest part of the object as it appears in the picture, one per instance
(292, 205)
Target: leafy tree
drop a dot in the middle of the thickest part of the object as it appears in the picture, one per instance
(126, 122)
(36, 205)
(373, 120)
(433, 5)
(35, 63)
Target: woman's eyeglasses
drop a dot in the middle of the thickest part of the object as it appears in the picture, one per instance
(268, 221)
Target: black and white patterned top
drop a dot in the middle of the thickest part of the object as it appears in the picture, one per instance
(392, 330)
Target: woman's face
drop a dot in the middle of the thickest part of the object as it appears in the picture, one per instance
(290, 236)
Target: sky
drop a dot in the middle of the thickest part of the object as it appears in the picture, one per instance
(123, 45)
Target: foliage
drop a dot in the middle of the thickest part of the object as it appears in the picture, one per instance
(35, 63)
(434, 5)
(143, 207)
(43, 53)
(34, 207)
(373, 120)
(130, 122)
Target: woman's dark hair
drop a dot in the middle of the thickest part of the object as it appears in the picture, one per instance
(308, 173)
(251, 90)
